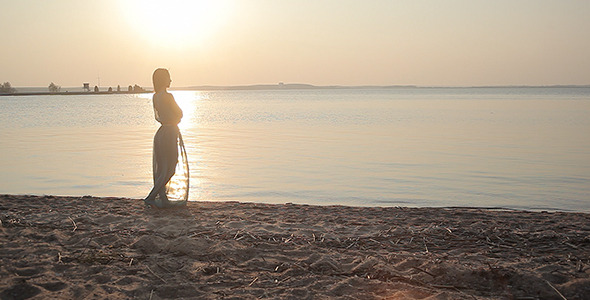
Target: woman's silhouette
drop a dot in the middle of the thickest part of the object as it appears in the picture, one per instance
(167, 147)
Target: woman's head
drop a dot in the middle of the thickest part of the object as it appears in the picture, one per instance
(161, 79)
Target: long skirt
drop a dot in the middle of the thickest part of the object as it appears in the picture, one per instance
(170, 166)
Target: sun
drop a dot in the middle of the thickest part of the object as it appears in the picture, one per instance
(176, 23)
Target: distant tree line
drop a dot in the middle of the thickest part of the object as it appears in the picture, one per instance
(137, 88)
(6, 88)
(54, 88)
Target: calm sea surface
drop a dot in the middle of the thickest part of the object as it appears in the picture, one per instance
(524, 148)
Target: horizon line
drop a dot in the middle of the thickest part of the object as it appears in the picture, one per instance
(336, 86)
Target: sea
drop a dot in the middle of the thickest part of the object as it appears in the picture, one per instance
(501, 147)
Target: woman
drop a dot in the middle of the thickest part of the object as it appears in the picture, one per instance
(166, 146)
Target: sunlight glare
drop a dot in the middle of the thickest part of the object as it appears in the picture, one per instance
(187, 100)
(176, 23)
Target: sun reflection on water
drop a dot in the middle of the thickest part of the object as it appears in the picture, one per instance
(189, 103)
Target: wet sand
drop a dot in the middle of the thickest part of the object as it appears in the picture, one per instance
(94, 248)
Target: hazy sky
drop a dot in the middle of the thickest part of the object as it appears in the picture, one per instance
(321, 42)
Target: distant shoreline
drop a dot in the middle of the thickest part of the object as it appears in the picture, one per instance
(344, 87)
(310, 86)
(290, 86)
(72, 93)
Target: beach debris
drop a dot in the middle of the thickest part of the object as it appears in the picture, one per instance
(101, 257)
(571, 245)
(580, 266)
(75, 226)
(423, 271)
(375, 241)
(253, 281)
(556, 290)
(162, 279)
(210, 270)
(252, 236)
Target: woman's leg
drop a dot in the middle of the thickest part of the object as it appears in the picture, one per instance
(161, 180)
(164, 164)
(156, 172)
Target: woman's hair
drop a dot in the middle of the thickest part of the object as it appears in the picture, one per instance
(161, 79)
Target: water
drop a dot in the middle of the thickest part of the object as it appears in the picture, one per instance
(523, 148)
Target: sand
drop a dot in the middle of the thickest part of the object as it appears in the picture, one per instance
(95, 248)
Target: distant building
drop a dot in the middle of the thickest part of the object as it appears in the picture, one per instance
(86, 87)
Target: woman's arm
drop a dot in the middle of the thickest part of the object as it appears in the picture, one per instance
(156, 106)
(176, 109)
(166, 109)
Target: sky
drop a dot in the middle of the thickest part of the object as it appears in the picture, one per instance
(320, 42)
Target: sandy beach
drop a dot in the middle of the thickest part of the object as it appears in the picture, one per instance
(94, 248)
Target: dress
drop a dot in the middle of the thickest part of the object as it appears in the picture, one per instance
(170, 164)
